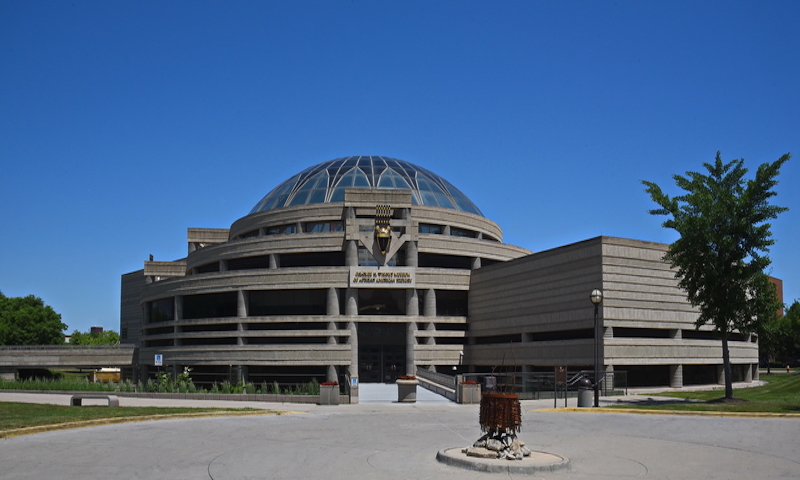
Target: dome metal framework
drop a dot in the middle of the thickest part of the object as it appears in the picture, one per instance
(326, 182)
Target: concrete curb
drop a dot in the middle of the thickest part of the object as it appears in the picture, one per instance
(539, 462)
(115, 420)
(697, 413)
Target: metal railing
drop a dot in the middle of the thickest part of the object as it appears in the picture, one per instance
(542, 385)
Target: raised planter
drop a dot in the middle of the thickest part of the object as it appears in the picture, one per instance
(469, 392)
(407, 389)
(329, 394)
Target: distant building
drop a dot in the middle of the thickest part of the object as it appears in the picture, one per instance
(370, 267)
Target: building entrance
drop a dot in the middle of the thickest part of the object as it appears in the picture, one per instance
(381, 352)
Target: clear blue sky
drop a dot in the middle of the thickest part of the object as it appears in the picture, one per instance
(124, 123)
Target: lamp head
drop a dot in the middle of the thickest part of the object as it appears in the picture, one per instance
(596, 296)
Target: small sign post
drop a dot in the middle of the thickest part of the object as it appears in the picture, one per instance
(159, 359)
(561, 380)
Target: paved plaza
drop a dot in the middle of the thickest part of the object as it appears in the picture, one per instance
(381, 439)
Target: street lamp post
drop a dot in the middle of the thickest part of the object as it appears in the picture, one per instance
(596, 297)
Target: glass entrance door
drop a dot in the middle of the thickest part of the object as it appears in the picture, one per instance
(381, 352)
(381, 363)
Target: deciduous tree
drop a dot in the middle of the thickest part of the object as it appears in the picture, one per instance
(106, 337)
(722, 253)
(28, 321)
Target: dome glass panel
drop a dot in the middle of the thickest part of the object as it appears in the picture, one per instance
(327, 181)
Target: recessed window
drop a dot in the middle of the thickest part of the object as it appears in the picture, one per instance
(210, 305)
(249, 263)
(288, 302)
(429, 228)
(162, 310)
(461, 232)
(279, 229)
(321, 227)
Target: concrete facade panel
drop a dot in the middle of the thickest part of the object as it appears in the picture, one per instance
(572, 352)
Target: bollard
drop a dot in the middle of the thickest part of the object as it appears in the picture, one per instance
(585, 393)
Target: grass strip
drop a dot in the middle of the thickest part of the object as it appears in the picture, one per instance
(781, 394)
(21, 418)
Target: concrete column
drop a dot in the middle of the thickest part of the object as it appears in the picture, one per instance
(608, 379)
(412, 254)
(676, 376)
(412, 302)
(332, 308)
(239, 334)
(351, 302)
(430, 303)
(431, 328)
(720, 375)
(755, 374)
(242, 298)
(352, 369)
(332, 336)
(223, 265)
(446, 230)
(411, 341)
(608, 332)
(245, 373)
(527, 337)
(476, 263)
(351, 253)
(298, 227)
(178, 314)
(675, 334)
(235, 374)
(332, 311)
(748, 373)
(242, 305)
(332, 375)
(274, 261)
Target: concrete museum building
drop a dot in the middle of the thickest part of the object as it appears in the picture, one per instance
(369, 268)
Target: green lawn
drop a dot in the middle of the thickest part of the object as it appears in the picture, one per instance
(780, 395)
(22, 415)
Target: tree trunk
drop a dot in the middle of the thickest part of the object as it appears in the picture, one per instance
(726, 365)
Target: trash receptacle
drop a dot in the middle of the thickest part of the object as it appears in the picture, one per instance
(585, 393)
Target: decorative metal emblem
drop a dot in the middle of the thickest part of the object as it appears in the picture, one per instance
(383, 230)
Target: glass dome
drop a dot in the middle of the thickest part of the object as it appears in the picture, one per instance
(325, 183)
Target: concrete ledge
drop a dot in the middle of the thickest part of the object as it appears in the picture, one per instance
(537, 462)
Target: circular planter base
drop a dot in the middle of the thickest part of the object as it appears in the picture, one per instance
(537, 462)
